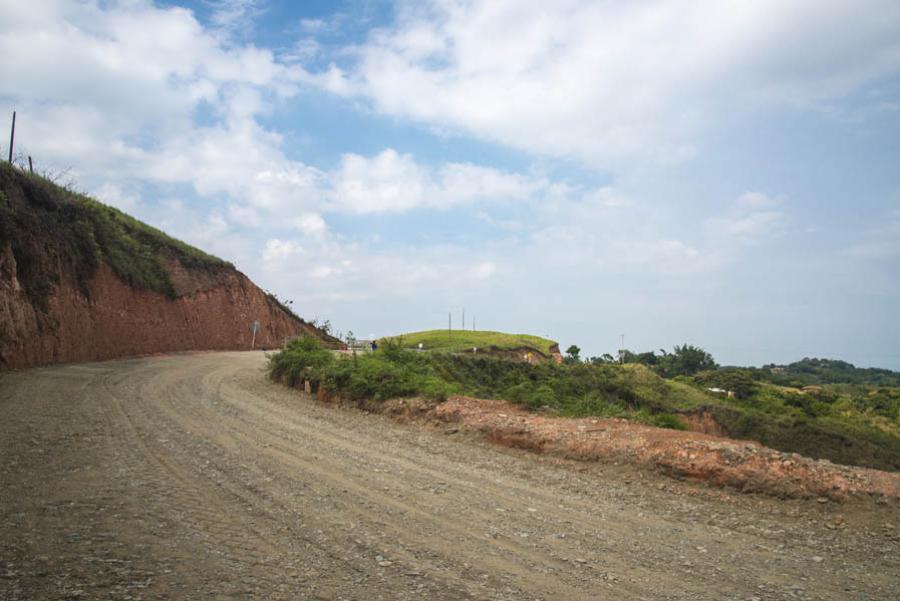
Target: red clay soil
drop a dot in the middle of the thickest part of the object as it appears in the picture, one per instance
(212, 312)
(746, 466)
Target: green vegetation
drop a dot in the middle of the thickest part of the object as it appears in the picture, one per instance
(847, 424)
(48, 225)
(810, 372)
(855, 425)
(466, 340)
(684, 360)
(390, 372)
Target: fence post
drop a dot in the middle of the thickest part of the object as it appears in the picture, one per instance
(12, 136)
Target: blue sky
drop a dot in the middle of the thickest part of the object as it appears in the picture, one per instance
(722, 174)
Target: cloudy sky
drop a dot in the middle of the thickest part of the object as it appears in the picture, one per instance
(725, 174)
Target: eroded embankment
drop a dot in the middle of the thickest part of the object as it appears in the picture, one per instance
(743, 465)
(82, 281)
(117, 320)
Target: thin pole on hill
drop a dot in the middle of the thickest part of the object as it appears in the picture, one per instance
(450, 324)
(30, 164)
(254, 327)
(473, 323)
(12, 136)
(463, 319)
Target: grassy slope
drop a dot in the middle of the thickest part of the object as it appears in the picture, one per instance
(465, 340)
(826, 371)
(839, 431)
(44, 222)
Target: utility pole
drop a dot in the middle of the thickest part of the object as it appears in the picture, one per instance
(30, 164)
(12, 136)
(622, 352)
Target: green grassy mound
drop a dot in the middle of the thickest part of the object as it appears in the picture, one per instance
(466, 340)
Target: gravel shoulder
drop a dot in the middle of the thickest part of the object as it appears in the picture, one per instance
(192, 476)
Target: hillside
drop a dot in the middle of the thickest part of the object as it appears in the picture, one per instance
(815, 372)
(466, 340)
(848, 427)
(80, 280)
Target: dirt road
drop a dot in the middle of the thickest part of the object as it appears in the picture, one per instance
(192, 476)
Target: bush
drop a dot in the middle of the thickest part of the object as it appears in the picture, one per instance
(667, 420)
(738, 381)
(301, 359)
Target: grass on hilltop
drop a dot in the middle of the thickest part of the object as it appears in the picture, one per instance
(466, 340)
(48, 224)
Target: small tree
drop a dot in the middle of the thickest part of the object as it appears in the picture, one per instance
(685, 360)
(573, 354)
(738, 381)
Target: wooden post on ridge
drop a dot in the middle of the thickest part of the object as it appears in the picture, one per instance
(12, 136)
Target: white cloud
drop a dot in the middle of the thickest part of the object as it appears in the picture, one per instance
(115, 89)
(311, 224)
(609, 81)
(394, 182)
(751, 220)
(483, 271)
(113, 194)
(277, 251)
(757, 200)
(235, 16)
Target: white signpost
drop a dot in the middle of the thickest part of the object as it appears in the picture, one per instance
(254, 327)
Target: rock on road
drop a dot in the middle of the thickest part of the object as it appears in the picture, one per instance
(192, 476)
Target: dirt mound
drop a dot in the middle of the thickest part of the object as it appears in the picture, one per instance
(746, 466)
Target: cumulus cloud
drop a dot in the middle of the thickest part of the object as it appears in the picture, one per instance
(394, 182)
(114, 90)
(606, 81)
(277, 251)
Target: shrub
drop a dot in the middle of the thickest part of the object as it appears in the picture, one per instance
(739, 381)
(301, 359)
(667, 420)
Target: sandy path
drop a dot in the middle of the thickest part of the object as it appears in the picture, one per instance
(192, 476)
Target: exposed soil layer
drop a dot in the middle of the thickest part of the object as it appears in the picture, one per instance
(704, 422)
(194, 477)
(116, 320)
(744, 465)
(82, 281)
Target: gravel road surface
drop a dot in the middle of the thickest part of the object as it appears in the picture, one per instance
(193, 477)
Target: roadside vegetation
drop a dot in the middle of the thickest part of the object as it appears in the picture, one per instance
(466, 340)
(47, 224)
(856, 425)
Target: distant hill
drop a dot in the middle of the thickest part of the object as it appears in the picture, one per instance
(80, 280)
(485, 341)
(808, 372)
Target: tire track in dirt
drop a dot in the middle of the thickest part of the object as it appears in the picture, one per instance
(226, 485)
(432, 528)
